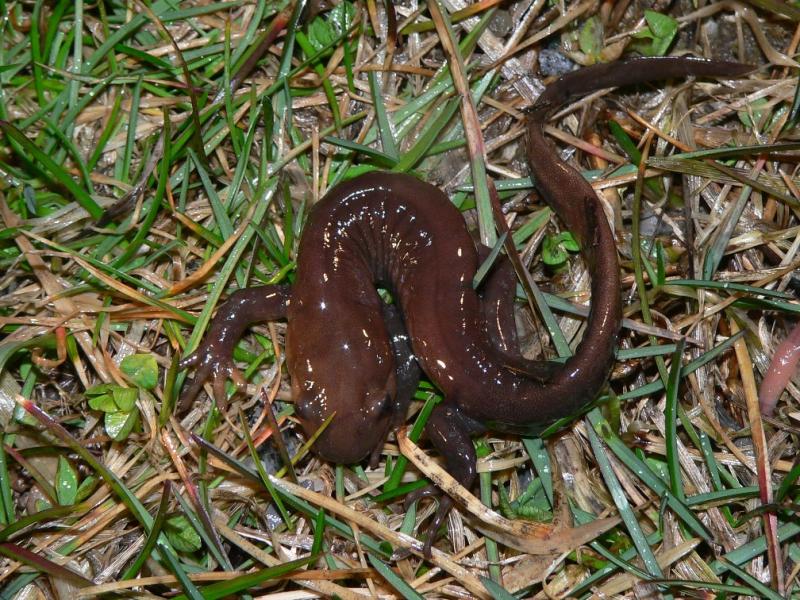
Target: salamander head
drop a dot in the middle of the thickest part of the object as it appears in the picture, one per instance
(358, 427)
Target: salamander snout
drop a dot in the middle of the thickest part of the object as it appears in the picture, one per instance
(357, 429)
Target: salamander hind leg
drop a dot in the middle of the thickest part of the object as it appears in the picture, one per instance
(407, 367)
(213, 358)
(407, 371)
(497, 306)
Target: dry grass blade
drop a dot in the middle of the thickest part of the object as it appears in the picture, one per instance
(762, 460)
(399, 540)
(15, 552)
(534, 538)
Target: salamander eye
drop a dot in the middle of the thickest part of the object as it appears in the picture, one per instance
(302, 409)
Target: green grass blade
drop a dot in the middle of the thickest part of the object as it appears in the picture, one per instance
(671, 423)
(626, 512)
(152, 537)
(393, 579)
(384, 126)
(645, 474)
(23, 146)
(235, 586)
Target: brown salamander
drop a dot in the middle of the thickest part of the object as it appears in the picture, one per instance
(345, 349)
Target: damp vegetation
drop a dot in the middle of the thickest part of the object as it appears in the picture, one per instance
(158, 155)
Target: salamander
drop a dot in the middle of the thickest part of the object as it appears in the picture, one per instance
(348, 353)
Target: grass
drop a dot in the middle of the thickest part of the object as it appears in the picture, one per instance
(156, 156)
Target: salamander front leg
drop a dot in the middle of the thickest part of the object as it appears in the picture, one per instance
(407, 368)
(450, 431)
(407, 371)
(214, 356)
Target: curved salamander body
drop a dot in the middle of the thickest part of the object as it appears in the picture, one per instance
(344, 346)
